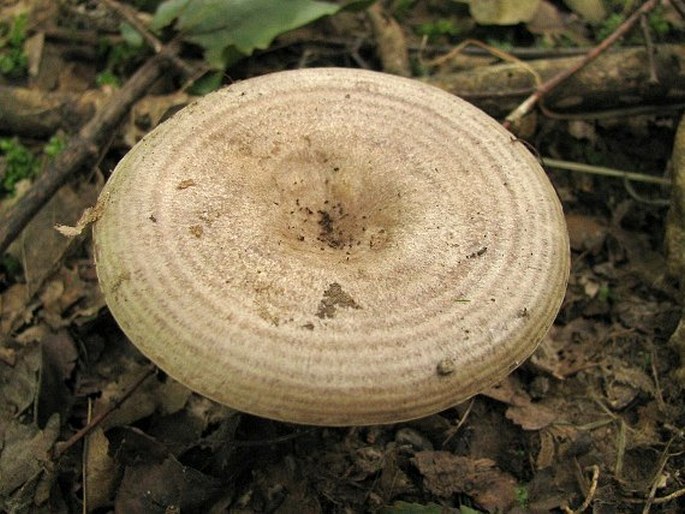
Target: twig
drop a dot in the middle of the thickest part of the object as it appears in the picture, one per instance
(669, 497)
(391, 45)
(130, 16)
(659, 500)
(125, 12)
(496, 52)
(451, 432)
(530, 102)
(590, 494)
(657, 479)
(608, 172)
(649, 45)
(620, 447)
(679, 6)
(95, 422)
(657, 385)
(659, 202)
(623, 112)
(82, 149)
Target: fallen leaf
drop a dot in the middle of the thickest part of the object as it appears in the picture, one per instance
(101, 472)
(149, 112)
(40, 248)
(502, 12)
(566, 350)
(152, 396)
(445, 474)
(522, 411)
(25, 452)
(547, 20)
(19, 383)
(164, 488)
(13, 309)
(586, 233)
(58, 359)
(592, 11)
(623, 382)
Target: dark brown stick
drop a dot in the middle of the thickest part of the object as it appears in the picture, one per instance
(500, 88)
(93, 423)
(82, 149)
(679, 6)
(548, 86)
(649, 45)
(130, 15)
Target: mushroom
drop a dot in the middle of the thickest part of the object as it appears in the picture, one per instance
(332, 247)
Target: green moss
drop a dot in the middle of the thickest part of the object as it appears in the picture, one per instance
(13, 60)
(19, 164)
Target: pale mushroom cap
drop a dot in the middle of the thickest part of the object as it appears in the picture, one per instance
(332, 247)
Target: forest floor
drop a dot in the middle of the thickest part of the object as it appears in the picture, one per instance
(593, 422)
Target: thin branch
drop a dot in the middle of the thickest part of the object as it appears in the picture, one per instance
(95, 422)
(679, 6)
(452, 431)
(493, 51)
(590, 494)
(131, 16)
(622, 112)
(607, 172)
(649, 45)
(530, 102)
(125, 12)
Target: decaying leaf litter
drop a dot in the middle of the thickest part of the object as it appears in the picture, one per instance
(593, 422)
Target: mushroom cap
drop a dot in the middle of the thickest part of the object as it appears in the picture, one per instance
(332, 247)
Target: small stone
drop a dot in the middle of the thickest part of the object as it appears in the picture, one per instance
(409, 436)
(446, 367)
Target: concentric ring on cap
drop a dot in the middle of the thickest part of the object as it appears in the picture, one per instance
(332, 246)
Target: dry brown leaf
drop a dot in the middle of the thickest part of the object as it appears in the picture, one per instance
(592, 11)
(59, 356)
(522, 411)
(623, 382)
(66, 297)
(101, 471)
(152, 396)
(25, 452)
(446, 474)
(149, 112)
(567, 350)
(165, 487)
(547, 20)
(531, 416)
(13, 303)
(40, 248)
(586, 233)
(560, 442)
(502, 12)
(19, 383)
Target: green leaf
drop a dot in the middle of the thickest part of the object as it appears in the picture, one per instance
(167, 12)
(131, 35)
(54, 146)
(207, 83)
(246, 25)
